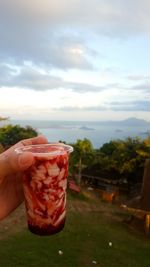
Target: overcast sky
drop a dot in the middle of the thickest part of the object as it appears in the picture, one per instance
(75, 59)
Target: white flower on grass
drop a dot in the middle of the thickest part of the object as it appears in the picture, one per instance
(60, 252)
(110, 244)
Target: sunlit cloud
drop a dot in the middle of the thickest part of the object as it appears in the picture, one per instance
(85, 57)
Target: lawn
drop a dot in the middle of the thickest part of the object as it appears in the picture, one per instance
(84, 242)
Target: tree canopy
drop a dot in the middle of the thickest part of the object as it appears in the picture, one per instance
(117, 159)
(121, 159)
(11, 134)
(82, 156)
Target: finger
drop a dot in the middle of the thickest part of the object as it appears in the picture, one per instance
(11, 162)
(21, 162)
(34, 141)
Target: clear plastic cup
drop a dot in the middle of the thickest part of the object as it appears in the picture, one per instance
(45, 184)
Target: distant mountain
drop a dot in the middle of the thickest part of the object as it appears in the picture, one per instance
(84, 125)
(129, 122)
(135, 121)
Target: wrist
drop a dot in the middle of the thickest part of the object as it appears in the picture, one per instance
(4, 166)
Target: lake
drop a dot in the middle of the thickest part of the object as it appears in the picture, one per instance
(97, 132)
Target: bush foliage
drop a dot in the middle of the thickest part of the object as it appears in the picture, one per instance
(11, 134)
(117, 159)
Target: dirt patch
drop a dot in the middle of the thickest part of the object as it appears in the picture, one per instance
(14, 223)
(110, 212)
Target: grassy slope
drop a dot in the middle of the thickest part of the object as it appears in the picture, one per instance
(84, 239)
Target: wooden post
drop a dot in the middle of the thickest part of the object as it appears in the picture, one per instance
(79, 172)
(145, 193)
(147, 223)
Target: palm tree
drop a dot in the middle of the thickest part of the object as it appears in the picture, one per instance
(83, 155)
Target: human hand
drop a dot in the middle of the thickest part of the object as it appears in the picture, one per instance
(12, 166)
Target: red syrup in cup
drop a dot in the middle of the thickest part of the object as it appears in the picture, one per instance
(45, 184)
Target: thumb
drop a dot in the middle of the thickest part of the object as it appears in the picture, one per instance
(12, 162)
(25, 160)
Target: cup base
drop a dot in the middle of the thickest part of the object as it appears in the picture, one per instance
(49, 230)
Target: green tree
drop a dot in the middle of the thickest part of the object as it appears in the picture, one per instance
(121, 159)
(82, 156)
(117, 159)
(9, 134)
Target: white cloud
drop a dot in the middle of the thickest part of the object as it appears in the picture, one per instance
(104, 15)
(138, 77)
(29, 76)
(53, 32)
(63, 52)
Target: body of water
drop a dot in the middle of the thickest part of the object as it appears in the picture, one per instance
(97, 132)
(99, 136)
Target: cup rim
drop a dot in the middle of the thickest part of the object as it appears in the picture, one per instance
(28, 148)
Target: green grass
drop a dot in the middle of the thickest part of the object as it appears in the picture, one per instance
(84, 239)
(77, 196)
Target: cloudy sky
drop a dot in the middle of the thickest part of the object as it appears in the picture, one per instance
(75, 59)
